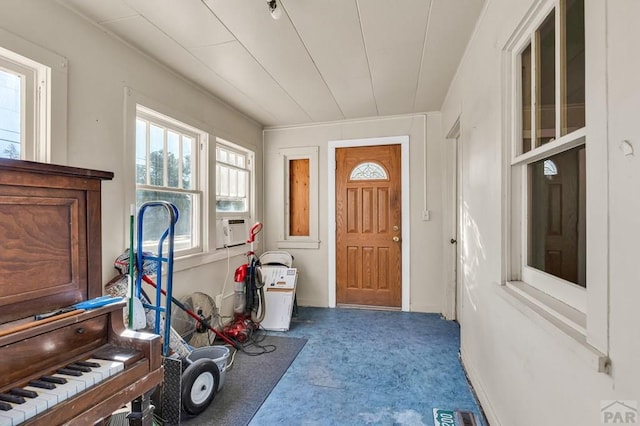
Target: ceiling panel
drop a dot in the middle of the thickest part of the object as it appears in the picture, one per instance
(277, 47)
(338, 51)
(394, 38)
(323, 60)
(232, 62)
(189, 22)
(450, 27)
(100, 10)
(142, 34)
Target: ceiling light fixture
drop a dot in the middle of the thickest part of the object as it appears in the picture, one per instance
(276, 12)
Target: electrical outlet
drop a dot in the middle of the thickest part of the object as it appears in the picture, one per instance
(218, 300)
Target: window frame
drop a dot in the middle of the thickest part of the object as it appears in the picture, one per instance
(518, 270)
(585, 333)
(199, 202)
(285, 239)
(250, 184)
(44, 123)
(210, 253)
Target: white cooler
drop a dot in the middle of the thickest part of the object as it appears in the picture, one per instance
(279, 295)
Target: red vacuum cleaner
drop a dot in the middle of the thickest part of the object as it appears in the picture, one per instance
(249, 306)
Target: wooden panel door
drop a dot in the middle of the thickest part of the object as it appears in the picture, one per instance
(368, 227)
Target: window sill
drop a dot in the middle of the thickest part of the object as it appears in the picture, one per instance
(195, 260)
(558, 318)
(299, 244)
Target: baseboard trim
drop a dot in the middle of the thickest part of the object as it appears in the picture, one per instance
(481, 395)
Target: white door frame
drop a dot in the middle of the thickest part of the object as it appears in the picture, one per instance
(453, 290)
(403, 141)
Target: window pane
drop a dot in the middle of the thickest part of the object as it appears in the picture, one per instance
(233, 182)
(368, 171)
(222, 155)
(242, 183)
(141, 152)
(525, 59)
(573, 115)
(173, 159)
(10, 115)
(546, 79)
(156, 152)
(557, 210)
(232, 206)
(223, 178)
(232, 179)
(156, 219)
(187, 149)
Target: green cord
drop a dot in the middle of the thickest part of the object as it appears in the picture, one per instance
(131, 223)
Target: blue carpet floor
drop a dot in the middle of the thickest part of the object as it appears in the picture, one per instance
(362, 367)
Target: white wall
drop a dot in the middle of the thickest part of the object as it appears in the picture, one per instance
(426, 236)
(525, 370)
(99, 68)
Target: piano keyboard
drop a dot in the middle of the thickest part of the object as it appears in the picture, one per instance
(21, 404)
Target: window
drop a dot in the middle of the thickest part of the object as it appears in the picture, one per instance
(233, 176)
(548, 152)
(298, 177)
(168, 166)
(24, 108)
(299, 197)
(368, 171)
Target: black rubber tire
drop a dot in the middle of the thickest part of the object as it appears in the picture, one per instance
(199, 385)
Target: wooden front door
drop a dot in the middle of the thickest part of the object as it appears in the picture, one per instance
(368, 227)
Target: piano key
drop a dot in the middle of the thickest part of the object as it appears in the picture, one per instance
(7, 397)
(73, 386)
(39, 404)
(88, 363)
(12, 417)
(24, 411)
(110, 368)
(67, 389)
(54, 379)
(31, 407)
(5, 420)
(50, 390)
(79, 367)
(41, 384)
(23, 392)
(69, 372)
(45, 395)
(5, 406)
(90, 379)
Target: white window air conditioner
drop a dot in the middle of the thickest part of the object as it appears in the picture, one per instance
(231, 232)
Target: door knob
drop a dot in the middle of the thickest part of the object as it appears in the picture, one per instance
(453, 241)
(396, 239)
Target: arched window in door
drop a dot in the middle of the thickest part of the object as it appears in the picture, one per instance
(368, 171)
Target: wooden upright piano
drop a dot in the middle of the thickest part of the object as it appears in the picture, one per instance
(78, 367)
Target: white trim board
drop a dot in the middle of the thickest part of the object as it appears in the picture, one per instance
(403, 141)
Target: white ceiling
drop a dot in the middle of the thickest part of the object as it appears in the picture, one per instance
(323, 60)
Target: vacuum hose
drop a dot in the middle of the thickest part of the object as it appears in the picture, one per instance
(255, 292)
